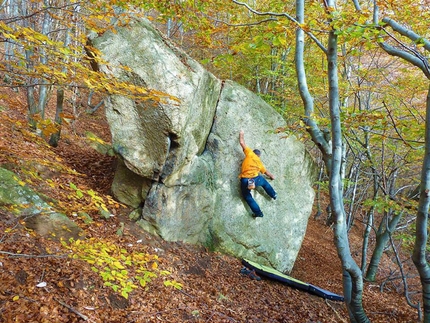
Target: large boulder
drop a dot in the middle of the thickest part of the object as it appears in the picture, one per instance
(24, 203)
(180, 156)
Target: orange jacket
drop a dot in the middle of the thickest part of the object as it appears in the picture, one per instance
(251, 165)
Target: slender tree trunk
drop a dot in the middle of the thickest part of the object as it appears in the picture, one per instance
(44, 87)
(312, 127)
(333, 158)
(382, 238)
(11, 10)
(55, 137)
(351, 192)
(32, 106)
(421, 235)
(31, 101)
(370, 213)
(353, 280)
(366, 235)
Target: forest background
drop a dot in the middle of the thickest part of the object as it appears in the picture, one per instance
(350, 77)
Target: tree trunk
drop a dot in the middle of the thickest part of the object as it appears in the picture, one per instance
(33, 108)
(312, 127)
(55, 137)
(353, 280)
(333, 159)
(31, 101)
(371, 212)
(419, 253)
(366, 235)
(382, 238)
(421, 235)
(44, 87)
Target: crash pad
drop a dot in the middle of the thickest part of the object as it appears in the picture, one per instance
(273, 274)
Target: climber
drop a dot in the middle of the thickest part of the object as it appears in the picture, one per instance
(250, 176)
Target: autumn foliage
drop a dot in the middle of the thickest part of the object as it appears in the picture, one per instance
(115, 272)
(44, 279)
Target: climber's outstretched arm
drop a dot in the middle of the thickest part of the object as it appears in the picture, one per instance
(242, 139)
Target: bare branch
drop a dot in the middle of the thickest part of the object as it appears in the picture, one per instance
(25, 17)
(286, 15)
(404, 280)
(247, 24)
(415, 59)
(267, 13)
(31, 256)
(407, 33)
(407, 53)
(395, 125)
(393, 138)
(84, 317)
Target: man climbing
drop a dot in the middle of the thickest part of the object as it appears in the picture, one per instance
(250, 176)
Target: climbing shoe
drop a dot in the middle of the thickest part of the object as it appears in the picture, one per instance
(245, 271)
(254, 276)
(250, 273)
(275, 197)
(257, 216)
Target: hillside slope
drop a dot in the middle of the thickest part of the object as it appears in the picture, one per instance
(213, 290)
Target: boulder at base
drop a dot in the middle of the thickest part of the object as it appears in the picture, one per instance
(24, 203)
(181, 155)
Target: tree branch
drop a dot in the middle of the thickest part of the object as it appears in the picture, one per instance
(31, 256)
(404, 280)
(406, 32)
(394, 138)
(411, 55)
(411, 58)
(84, 317)
(40, 11)
(243, 25)
(395, 125)
(286, 15)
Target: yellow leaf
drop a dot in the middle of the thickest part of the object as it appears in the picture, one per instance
(154, 265)
(118, 265)
(124, 294)
(15, 298)
(5, 27)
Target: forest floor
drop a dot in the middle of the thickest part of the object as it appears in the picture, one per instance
(213, 290)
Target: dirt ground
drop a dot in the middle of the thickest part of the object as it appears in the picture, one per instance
(213, 290)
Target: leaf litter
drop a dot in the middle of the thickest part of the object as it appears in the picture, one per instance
(40, 282)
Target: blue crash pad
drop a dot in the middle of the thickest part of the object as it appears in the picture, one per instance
(290, 281)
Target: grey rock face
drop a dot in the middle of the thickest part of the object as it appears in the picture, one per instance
(38, 214)
(183, 157)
